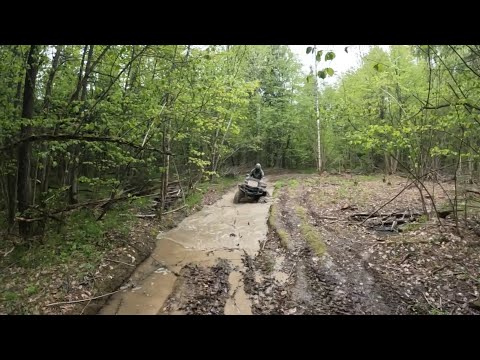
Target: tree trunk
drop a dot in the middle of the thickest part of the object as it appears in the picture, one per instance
(12, 177)
(284, 154)
(45, 172)
(317, 113)
(82, 93)
(25, 149)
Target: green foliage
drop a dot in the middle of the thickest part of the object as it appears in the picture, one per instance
(329, 56)
(218, 106)
(322, 74)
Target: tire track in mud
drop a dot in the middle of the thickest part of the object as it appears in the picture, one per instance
(336, 282)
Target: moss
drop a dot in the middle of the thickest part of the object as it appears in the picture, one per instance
(313, 239)
(309, 232)
(277, 186)
(413, 226)
(284, 237)
(272, 223)
(293, 183)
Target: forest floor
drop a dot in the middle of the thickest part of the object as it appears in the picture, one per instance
(321, 259)
(73, 268)
(309, 248)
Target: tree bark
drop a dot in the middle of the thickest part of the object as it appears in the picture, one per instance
(317, 113)
(75, 161)
(25, 149)
(46, 108)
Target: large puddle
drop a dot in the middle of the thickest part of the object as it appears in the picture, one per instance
(223, 230)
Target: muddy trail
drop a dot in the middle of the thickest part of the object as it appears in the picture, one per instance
(305, 251)
(197, 267)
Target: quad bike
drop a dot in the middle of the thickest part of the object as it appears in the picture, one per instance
(252, 189)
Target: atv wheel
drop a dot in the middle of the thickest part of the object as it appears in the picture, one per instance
(238, 196)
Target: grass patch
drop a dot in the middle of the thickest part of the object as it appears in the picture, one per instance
(272, 222)
(293, 183)
(313, 238)
(10, 296)
(310, 233)
(343, 192)
(277, 186)
(438, 312)
(194, 199)
(284, 237)
(272, 216)
(414, 225)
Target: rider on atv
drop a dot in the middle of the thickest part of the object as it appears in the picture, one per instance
(257, 172)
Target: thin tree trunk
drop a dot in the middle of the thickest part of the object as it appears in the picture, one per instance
(12, 178)
(75, 161)
(25, 149)
(45, 172)
(284, 154)
(317, 112)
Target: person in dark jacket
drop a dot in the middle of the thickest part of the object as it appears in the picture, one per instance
(257, 172)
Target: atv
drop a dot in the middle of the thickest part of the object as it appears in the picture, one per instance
(251, 189)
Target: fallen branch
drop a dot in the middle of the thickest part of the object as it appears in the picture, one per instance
(400, 216)
(105, 202)
(83, 310)
(264, 243)
(328, 217)
(29, 220)
(145, 216)
(405, 258)
(291, 270)
(83, 300)
(171, 211)
(438, 269)
(120, 262)
(9, 266)
(9, 251)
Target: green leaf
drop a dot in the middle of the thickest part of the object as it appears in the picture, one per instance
(329, 56)
(322, 74)
(309, 78)
(319, 55)
(329, 71)
(379, 67)
(309, 49)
